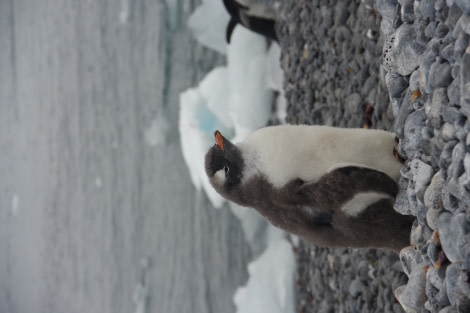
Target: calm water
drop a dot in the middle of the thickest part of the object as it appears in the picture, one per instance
(83, 199)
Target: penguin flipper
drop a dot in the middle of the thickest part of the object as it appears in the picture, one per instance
(230, 27)
(341, 183)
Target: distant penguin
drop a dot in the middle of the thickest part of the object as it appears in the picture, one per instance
(255, 16)
(332, 187)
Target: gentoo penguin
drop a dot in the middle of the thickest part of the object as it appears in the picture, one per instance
(255, 16)
(332, 187)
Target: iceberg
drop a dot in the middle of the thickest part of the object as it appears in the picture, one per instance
(210, 31)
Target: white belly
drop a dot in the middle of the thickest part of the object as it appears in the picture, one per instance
(288, 152)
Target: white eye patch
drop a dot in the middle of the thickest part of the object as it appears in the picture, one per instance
(219, 176)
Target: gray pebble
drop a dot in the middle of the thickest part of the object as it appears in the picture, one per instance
(448, 131)
(434, 248)
(437, 105)
(413, 126)
(414, 80)
(451, 114)
(452, 277)
(402, 45)
(396, 84)
(386, 8)
(441, 30)
(453, 91)
(452, 232)
(448, 52)
(453, 16)
(407, 11)
(409, 259)
(403, 111)
(464, 5)
(433, 200)
(440, 74)
(461, 43)
(430, 30)
(458, 154)
(422, 174)
(425, 9)
(413, 295)
(433, 286)
(402, 204)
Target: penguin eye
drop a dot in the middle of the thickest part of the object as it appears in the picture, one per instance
(226, 169)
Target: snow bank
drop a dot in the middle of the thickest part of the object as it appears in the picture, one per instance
(270, 287)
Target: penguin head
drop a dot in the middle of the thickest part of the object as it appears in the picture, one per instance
(224, 164)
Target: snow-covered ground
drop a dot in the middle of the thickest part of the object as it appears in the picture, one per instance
(237, 99)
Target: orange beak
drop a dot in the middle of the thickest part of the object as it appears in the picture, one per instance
(219, 139)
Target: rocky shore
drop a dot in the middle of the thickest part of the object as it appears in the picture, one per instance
(402, 66)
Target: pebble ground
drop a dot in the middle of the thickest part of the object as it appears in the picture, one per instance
(403, 66)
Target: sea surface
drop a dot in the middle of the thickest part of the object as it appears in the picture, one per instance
(93, 218)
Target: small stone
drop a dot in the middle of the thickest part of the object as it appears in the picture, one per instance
(448, 52)
(461, 43)
(426, 9)
(434, 248)
(396, 84)
(409, 259)
(407, 11)
(413, 127)
(356, 288)
(453, 16)
(448, 131)
(419, 233)
(402, 45)
(402, 204)
(464, 5)
(439, 74)
(452, 233)
(446, 155)
(341, 13)
(437, 105)
(452, 276)
(401, 113)
(453, 91)
(422, 174)
(433, 285)
(430, 30)
(363, 271)
(437, 145)
(413, 295)
(450, 114)
(458, 154)
(414, 81)
(433, 199)
(386, 8)
(441, 30)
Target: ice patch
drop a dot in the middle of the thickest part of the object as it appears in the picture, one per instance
(270, 287)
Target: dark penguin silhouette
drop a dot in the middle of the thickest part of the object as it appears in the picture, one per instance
(256, 16)
(330, 186)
